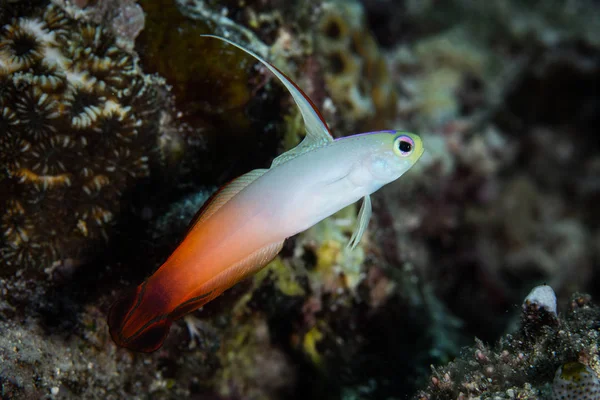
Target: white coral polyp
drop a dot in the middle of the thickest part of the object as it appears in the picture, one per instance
(543, 296)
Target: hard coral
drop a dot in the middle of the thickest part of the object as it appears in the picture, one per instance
(74, 133)
(522, 364)
(434, 71)
(356, 73)
(209, 80)
(253, 366)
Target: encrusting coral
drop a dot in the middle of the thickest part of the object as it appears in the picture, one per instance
(78, 123)
(356, 73)
(523, 363)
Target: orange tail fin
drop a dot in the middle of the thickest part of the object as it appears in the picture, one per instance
(130, 327)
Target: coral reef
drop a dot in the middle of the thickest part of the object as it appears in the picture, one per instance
(495, 207)
(504, 94)
(125, 19)
(213, 101)
(434, 70)
(79, 123)
(47, 355)
(522, 364)
(356, 73)
(256, 368)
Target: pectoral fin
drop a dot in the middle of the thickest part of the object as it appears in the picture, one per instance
(364, 215)
(317, 131)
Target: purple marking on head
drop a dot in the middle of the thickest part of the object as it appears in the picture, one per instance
(369, 133)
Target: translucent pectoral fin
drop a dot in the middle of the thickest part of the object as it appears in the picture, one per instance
(364, 215)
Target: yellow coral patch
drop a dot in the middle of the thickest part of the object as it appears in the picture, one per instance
(309, 344)
(284, 277)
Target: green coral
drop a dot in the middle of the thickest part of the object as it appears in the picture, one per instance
(337, 266)
(284, 278)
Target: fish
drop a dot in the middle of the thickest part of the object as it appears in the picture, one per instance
(243, 226)
(576, 381)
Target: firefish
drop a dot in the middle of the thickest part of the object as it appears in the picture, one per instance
(243, 226)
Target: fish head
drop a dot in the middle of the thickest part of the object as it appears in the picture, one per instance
(394, 154)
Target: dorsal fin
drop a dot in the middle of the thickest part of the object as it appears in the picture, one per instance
(223, 195)
(317, 131)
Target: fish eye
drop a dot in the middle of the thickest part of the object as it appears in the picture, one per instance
(404, 145)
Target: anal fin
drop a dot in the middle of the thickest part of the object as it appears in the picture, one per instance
(193, 304)
(249, 265)
(226, 279)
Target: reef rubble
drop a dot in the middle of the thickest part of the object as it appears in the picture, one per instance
(548, 357)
